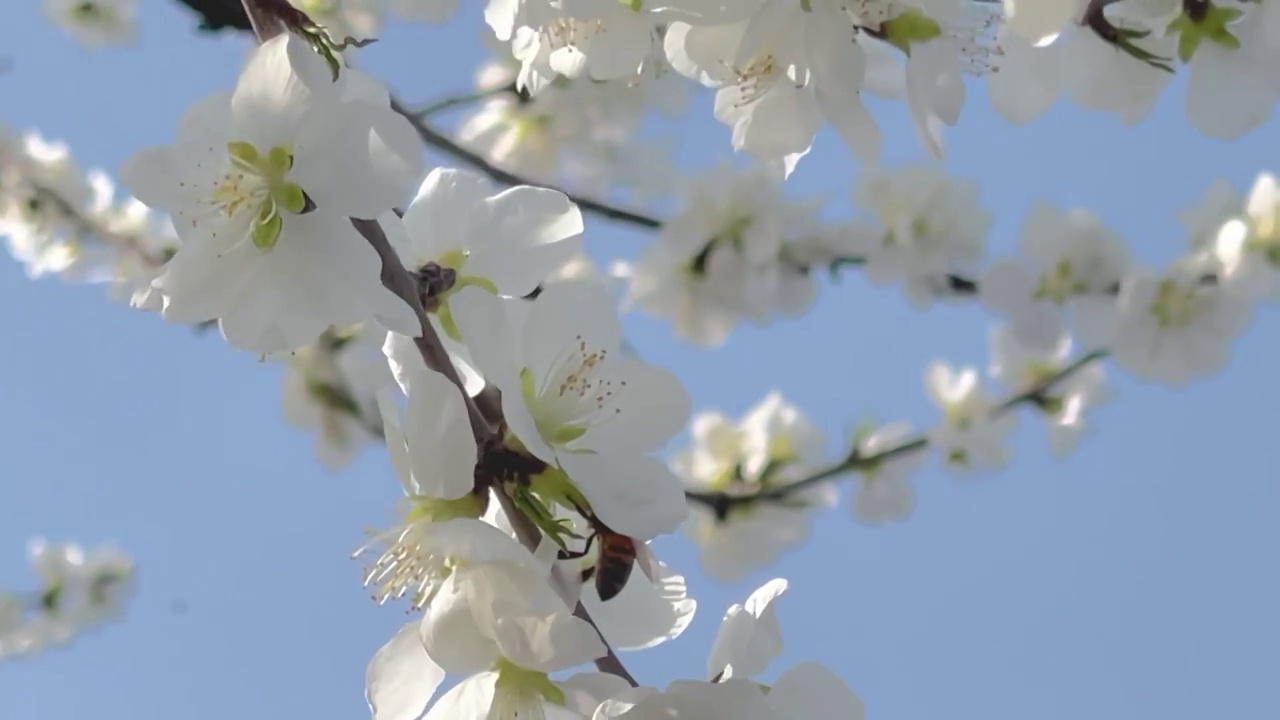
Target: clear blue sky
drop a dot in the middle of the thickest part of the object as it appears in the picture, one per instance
(1135, 580)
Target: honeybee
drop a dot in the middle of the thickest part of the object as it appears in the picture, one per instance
(613, 566)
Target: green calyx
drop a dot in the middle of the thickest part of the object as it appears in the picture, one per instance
(535, 502)
(516, 680)
(919, 228)
(51, 597)
(333, 396)
(1175, 305)
(455, 260)
(908, 28)
(1209, 23)
(1058, 285)
(272, 169)
(436, 510)
(632, 5)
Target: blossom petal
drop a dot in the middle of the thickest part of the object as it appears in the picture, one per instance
(360, 160)
(635, 495)
(811, 690)
(442, 449)
(401, 677)
(529, 232)
(749, 637)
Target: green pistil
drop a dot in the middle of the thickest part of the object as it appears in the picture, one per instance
(281, 194)
(1058, 285)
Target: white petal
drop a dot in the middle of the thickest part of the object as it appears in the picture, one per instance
(749, 637)
(548, 644)
(635, 495)
(442, 216)
(468, 700)
(528, 233)
(565, 315)
(442, 449)
(358, 159)
(811, 690)
(282, 84)
(401, 677)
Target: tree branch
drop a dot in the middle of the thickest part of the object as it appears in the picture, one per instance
(438, 140)
(461, 99)
(722, 502)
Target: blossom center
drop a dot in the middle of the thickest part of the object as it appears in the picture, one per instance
(578, 392)
(410, 563)
(1176, 305)
(755, 78)
(93, 13)
(1059, 284)
(257, 184)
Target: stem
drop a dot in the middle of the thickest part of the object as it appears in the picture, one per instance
(484, 421)
(453, 101)
(722, 502)
(438, 140)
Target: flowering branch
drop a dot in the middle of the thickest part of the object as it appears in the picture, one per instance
(722, 502)
(85, 226)
(268, 22)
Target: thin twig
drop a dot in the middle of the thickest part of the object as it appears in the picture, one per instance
(86, 227)
(484, 421)
(722, 502)
(438, 140)
(461, 99)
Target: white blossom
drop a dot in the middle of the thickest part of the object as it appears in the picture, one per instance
(973, 435)
(574, 401)
(771, 446)
(1023, 370)
(931, 226)
(261, 184)
(883, 494)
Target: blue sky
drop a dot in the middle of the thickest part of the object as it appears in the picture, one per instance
(1136, 579)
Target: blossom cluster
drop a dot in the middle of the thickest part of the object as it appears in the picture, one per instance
(459, 323)
(56, 219)
(79, 592)
(509, 522)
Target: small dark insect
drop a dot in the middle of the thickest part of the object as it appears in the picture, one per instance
(613, 567)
